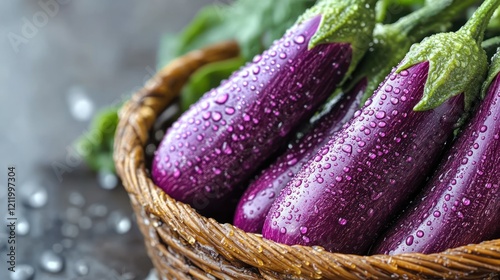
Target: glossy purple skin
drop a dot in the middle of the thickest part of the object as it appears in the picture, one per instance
(260, 195)
(343, 197)
(225, 136)
(461, 203)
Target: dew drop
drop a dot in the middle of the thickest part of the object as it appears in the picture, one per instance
(303, 230)
(229, 110)
(51, 262)
(34, 195)
(380, 115)
(256, 70)
(347, 148)
(81, 268)
(465, 201)
(206, 115)
(300, 39)
(23, 272)
(216, 116)
(222, 99)
(409, 240)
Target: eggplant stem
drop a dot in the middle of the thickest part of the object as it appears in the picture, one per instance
(477, 24)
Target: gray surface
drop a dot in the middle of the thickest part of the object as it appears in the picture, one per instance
(105, 49)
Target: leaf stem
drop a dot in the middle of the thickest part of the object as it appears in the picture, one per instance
(477, 24)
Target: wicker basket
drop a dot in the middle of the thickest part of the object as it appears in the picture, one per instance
(185, 245)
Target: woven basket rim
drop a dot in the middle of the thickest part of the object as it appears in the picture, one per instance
(137, 117)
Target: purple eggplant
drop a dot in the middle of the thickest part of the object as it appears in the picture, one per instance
(390, 44)
(343, 197)
(461, 203)
(223, 138)
(260, 195)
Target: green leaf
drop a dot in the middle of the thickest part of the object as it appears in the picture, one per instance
(206, 78)
(255, 25)
(206, 28)
(96, 145)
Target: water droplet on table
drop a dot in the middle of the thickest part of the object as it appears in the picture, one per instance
(51, 262)
(23, 226)
(70, 230)
(85, 223)
(128, 276)
(81, 268)
(152, 275)
(67, 243)
(120, 223)
(23, 272)
(107, 180)
(97, 210)
(33, 194)
(76, 199)
(79, 103)
(57, 248)
(73, 215)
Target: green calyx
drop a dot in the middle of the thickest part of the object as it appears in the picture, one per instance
(386, 50)
(392, 41)
(492, 73)
(457, 63)
(344, 21)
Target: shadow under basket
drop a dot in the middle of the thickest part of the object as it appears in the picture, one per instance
(182, 244)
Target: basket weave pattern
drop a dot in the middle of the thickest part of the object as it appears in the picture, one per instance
(185, 245)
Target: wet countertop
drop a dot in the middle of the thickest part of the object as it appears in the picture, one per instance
(61, 61)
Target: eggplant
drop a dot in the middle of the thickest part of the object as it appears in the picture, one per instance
(224, 137)
(390, 44)
(461, 203)
(259, 196)
(346, 194)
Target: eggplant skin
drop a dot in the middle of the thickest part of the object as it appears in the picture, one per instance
(345, 195)
(260, 195)
(461, 203)
(224, 137)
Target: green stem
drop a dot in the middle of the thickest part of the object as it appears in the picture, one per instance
(431, 18)
(477, 24)
(491, 45)
(344, 21)
(493, 42)
(382, 6)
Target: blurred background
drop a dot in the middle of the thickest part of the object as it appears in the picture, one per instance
(60, 62)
